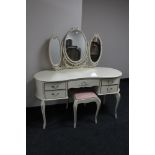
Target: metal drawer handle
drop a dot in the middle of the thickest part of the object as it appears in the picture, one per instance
(55, 94)
(55, 86)
(84, 83)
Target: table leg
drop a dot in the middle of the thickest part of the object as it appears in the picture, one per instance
(117, 103)
(98, 103)
(43, 113)
(75, 112)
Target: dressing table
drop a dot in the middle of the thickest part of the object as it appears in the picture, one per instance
(74, 63)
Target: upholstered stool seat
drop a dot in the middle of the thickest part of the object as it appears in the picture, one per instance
(85, 97)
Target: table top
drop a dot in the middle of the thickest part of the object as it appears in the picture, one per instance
(78, 73)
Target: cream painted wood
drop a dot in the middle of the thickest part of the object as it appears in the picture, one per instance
(105, 82)
(55, 85)
(55, 94)
(118, 96)
(93, 99)
(83, 83)
(110, 81)
(39, 89)
(114, 81)
(78, 73)
(104, 90)
(109, 89)
(43, 113)
(112, 89)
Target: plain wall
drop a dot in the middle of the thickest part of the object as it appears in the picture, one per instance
(109, 18)
(44, 18)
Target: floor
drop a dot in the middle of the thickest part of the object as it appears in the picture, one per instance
(108, 137)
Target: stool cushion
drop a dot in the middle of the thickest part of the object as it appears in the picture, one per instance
(84, 95)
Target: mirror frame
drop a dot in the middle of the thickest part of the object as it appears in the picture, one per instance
(55, 66)
(83, 59)
(89, 55)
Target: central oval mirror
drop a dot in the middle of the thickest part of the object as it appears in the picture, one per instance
(75, 46)
(54, 51)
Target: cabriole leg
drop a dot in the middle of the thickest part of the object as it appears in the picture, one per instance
(43, 113)
(98, 103)
(117, 103)
(75, 113)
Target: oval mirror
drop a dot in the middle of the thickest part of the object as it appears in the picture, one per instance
(75, 45)
(95, 49)
(54, 51)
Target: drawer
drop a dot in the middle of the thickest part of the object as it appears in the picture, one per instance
(112, 81)
(54, 86)
(83, 83)
(112, 89)
(105, 82)
(109, 89)
(55, 94)
(104, 89)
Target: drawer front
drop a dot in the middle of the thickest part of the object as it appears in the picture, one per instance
(55, 94)
(114, 81)
(110, 81)
(105, 82)
(104, 89)
(109, 89)
(54, 86)
(83, 83)
(112, 89)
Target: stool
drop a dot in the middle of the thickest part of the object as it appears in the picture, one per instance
(85, 97)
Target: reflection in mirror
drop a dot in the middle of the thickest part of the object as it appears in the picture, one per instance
(75, 45)
(54, 51)
(95, 49)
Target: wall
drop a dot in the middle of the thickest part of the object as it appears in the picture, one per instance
(109, 18)
(45, 17)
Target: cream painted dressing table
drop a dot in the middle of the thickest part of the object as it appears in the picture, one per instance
(75, 68)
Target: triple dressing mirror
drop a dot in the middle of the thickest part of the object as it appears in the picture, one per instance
(74, 50)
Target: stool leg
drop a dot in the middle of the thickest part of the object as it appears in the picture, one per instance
(75, 112)
(98, 103)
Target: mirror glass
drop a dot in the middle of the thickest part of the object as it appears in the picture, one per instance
(95, 49)
(75, 45)
(54, 51)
